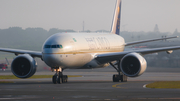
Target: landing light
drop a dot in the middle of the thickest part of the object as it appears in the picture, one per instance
(54, 70)
(67, 47)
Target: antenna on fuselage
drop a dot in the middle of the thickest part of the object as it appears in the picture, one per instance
(115, 28)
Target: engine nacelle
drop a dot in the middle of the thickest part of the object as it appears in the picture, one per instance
(133, 65)
(23, 66)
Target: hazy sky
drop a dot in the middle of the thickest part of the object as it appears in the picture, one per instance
(137, 15)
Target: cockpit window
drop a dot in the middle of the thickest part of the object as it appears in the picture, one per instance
(47, 46)
(53, 46)
(59, 46)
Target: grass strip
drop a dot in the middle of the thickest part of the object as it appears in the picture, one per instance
(164, 85)
(33, 77)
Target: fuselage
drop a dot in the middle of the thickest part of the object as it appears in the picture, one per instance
(78, 50)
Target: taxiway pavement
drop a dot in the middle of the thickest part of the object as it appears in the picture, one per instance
(93, 85)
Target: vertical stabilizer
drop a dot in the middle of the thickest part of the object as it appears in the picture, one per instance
(115, 28)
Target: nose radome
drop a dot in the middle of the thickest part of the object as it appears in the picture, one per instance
(50, 60)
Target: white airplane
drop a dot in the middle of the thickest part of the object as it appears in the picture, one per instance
(86, 51)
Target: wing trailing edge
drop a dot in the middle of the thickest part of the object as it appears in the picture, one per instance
(150, 40)
(108, 57)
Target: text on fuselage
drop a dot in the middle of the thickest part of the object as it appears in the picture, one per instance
(98, 43)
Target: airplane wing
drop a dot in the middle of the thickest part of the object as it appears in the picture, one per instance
(18, 51)
(108, 57)
(143, 41)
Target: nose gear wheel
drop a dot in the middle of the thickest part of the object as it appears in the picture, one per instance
(59, 77)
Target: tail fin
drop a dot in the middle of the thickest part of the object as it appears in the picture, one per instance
(115, 28)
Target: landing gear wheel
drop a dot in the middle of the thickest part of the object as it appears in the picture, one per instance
(65, 79)
(54, 79)
(123, 78)
(120, 75)
(59, 77)
(59, 80)
(116, 78)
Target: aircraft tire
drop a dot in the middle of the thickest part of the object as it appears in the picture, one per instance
(54, 79)
(116, 78)
(65, 79)
(59, 80)
(123, 78)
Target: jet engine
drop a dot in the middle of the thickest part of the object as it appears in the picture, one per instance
(23, 66)
(133, 65)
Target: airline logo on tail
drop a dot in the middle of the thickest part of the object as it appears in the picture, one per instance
(116, 21)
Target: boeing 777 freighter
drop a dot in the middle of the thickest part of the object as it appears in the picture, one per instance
(85, 51)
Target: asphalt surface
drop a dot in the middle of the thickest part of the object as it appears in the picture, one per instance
(93, 85)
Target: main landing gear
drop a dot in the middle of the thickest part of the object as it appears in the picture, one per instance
(120, 76)
(59, 77)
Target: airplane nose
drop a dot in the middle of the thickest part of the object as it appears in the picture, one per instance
(51, 60)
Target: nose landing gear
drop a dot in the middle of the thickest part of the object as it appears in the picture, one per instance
(59, 77)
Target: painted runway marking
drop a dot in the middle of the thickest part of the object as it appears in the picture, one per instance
(118, 85)
(144, 86)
